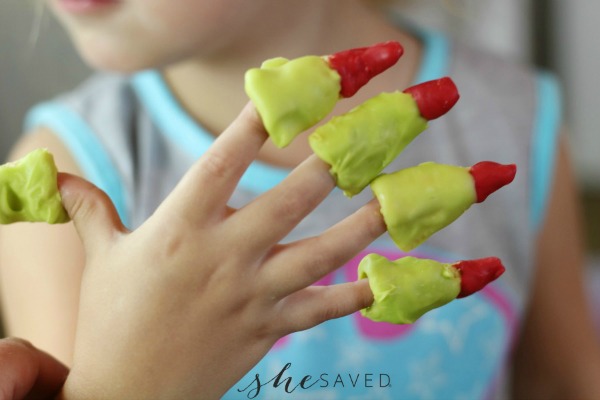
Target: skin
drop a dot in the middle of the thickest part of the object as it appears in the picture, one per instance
(27, 372)
(41, 289)
(230, 307)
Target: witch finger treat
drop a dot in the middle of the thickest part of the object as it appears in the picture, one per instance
(293, 95)
(416, 202)
(406, 288)
(358, 145)
(29, 192)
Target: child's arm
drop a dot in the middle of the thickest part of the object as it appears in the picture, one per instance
(558, 355)
(40, 269)
(185, 305)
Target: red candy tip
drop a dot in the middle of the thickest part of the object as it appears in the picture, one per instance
(357, 66)
(434, 98)
(490, 176)
(476, 274)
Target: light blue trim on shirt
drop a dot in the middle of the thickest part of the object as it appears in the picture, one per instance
(436, 55)
(168, 115)
(87, 150)
(544, 144)
(174, 122)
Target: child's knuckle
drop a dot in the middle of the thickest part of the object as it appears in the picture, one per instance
(215, 164)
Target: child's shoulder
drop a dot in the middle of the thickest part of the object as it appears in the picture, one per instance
(103, 99)
(96, 125)
(100, 108)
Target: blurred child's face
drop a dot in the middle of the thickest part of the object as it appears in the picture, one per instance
(127, 35)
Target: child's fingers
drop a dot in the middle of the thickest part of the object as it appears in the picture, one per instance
(284, 206)
(211, 180)
(316, 304)
(91, 210)
(305, 262)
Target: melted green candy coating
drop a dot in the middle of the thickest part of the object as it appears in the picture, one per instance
(417, 202)
(360, 144)
(28, 190)
(292, 95)
(407, 288)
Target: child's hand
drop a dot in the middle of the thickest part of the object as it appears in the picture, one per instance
(189, 302)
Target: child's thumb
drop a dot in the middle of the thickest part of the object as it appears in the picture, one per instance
(92, 211)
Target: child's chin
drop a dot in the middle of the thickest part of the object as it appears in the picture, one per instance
(114, 60)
